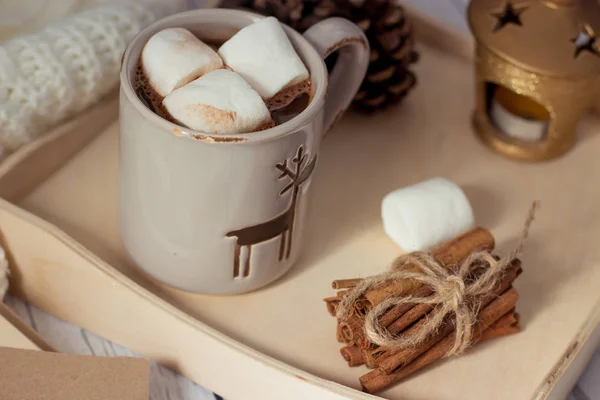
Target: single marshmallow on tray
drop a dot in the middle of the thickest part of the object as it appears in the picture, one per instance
(263, 55)
(174, 57)
(219, 102)
(426, 214)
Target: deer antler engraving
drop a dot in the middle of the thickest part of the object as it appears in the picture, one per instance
(299, 160)
(285, 171)
(286, 188)
(300, 156)
(281, 226)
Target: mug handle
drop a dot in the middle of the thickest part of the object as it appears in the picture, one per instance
(339, 34)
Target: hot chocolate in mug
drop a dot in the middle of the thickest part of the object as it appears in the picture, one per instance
(224, 214)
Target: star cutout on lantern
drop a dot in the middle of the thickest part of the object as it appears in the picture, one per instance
(509, 15)
(585, 41)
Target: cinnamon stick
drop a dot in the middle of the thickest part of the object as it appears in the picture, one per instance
(421, 309)
(450, 253)
(394, 359)
(372, 357)
(361, 307)
(409, 317)
(332, 303)
(345, 283)
(378, 380)
(342, 293)
(396, 312)
(391, 315)
(507, 325)
(499, 332)
(398, 318)
(352, 329)
(338, 333)
(353, 355)
(362, 341)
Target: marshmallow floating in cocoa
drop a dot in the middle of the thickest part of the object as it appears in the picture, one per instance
(219, 102)
(426, 214)
(174, 57)
(263, 55)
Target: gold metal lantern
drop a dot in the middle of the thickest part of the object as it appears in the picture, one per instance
(537, 73)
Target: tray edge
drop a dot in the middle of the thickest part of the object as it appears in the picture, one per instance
(33, 163)
(332, 389)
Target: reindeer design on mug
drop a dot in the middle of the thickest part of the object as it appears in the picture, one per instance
(282, 225)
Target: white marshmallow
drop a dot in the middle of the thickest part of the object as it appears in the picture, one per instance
(218, 102)
(263, 55)
(174, 57)
(3, 273)
(427, 214)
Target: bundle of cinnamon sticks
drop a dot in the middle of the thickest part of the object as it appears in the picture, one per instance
(496, 316)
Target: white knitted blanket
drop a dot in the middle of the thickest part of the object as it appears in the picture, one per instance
(51, 75)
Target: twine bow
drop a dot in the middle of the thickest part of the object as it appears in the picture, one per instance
(455, 293)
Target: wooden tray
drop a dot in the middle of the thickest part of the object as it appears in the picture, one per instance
(24, 169)
(14, 332)
(279, 343)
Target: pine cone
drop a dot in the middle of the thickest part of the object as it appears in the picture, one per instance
(384, 23)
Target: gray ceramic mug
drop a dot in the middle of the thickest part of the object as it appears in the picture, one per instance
(224, 214)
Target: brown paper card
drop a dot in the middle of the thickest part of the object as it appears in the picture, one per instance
(26, 374)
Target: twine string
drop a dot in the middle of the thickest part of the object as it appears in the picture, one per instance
(456, 295)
